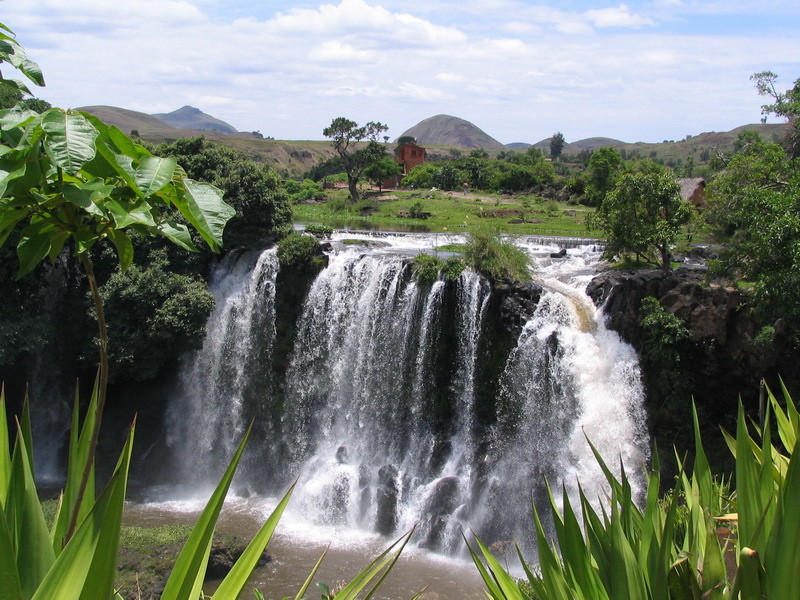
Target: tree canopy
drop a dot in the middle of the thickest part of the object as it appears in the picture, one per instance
(643, 214)
(556, 145)
(254, 190)
(605, 165)
(346, 136)
(754, 208)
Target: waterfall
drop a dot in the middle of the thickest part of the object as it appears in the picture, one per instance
(384, 418)
(223, 384)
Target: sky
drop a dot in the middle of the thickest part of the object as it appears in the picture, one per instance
(520, 70)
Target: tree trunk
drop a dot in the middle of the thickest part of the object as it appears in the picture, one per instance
(352, 185)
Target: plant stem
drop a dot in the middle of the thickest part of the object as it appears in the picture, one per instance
(101, 394)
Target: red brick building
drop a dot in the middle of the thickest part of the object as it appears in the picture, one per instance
(410, 156)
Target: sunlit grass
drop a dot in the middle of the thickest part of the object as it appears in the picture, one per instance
(452, 212)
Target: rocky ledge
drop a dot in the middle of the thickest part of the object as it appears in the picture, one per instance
(726, 360)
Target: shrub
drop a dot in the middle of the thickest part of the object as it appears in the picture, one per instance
(427, 268)
(300, 252)
(319, 230)
(496, 259)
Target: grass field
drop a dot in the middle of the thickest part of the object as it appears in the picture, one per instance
(448, 211)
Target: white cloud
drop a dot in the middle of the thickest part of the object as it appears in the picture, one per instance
(336, 51)
(621, 16)
(450, 77)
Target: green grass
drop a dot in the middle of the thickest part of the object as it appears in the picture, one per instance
(452, 212)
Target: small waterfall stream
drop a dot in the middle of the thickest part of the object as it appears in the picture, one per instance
(381, 421)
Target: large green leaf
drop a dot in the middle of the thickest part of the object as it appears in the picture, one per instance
(234, 582)
(154, 173)
(124, 247)
(69, 139)
(5, 450)
(10, 585)
(79, 440)
(177, 233)
(186, 579)
(202, 205)
(34, 246)
(782, 556)
(376, 572)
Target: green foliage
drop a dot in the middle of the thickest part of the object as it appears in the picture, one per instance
(254, 190)
(557, 145)
(300, 252)
(345, 136)
(158, 316)
(643, 214)
(304, 191)
(753, 206)
(663, 333)
(417, 210)
(785, 104)
(669, 547)
(421, 176)
(383, 169)
(605, 166)
(496, 259)
(428, 268)
(319, 230)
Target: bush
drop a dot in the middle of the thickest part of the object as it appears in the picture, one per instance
(428, 267)
(300, 253)
(159, 315)
(319, 231)
(496, 259)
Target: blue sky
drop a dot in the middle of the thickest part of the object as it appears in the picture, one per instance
(520, 70)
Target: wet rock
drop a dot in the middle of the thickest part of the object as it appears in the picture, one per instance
(439, 508)
(516, 304)
(386, 499)
(560, 254)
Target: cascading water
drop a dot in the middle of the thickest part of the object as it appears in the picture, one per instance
(226, 382)
(381, 420)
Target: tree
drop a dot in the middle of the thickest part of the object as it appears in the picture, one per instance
(753, 205)
(345, 136)
(786, 104)
(605, 165)
(643, 213)
(254, 190)
(556, 145)
(383, 169)
(405, 139)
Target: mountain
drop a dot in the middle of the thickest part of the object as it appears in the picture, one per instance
(154, 129)
(189, 117)
(446, 130)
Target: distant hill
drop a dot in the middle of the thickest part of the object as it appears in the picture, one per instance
(590, 144)
(189, 117)
(446, 130)
(152, 128)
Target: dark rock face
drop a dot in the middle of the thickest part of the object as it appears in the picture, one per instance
(516, 303)
(722, 362)
(710, 312)
(386, 499)
(440, 504)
